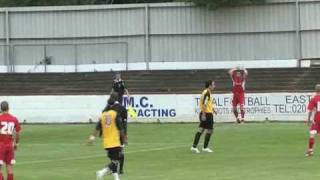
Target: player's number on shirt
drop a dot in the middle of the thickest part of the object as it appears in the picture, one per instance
(7, 128)
(318, 107)
(108, 120)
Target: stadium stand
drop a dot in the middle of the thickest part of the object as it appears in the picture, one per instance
(156, 82)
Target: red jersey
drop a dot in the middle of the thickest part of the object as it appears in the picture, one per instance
(8, 126)
(238, 82)
(314, 104)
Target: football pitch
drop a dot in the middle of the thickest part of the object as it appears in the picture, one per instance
(253, 151)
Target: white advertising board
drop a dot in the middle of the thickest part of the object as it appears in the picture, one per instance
(163, 108)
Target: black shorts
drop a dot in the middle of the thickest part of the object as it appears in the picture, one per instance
(208, 123)
(114, 153)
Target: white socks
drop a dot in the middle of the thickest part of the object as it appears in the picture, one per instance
(104, 171)
(116, 176)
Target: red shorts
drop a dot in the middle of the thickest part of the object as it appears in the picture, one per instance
(238, 98)
(315, 127)
(7, 154)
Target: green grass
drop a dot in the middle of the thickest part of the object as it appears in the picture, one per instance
(265, 151)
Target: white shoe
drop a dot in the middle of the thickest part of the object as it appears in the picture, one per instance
(207, 150)
(116, 176)
(309, 153)
(100, 174)
(196, 150)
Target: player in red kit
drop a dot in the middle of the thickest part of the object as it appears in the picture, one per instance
(314, 106)
(238, 76)
(9, 127)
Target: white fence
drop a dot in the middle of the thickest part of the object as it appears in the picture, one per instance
(163, 108)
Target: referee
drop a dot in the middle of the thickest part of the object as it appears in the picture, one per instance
(119, 87)
(206, 118)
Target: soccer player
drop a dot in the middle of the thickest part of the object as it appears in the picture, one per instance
(9, 126)
(314, 106)
(206, 118)
(124, 117)
(113, 134)
(119, 87)
(239, 77)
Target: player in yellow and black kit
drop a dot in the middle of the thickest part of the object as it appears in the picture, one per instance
(124, 117)
(206, 117)
(113, 135)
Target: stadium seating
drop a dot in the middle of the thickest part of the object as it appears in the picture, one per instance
(151, 82)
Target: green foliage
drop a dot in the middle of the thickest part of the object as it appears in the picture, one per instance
(208, 3)
(21, 3)
(11, 3)
(225, 3)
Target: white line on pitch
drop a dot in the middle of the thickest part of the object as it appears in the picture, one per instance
(94, 156)
(81, 143)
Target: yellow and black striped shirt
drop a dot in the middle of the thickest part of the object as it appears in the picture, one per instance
(206, 101)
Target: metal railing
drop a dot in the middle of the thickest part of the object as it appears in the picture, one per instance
(40, 57)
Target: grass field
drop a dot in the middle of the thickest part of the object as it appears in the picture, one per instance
(265, 151)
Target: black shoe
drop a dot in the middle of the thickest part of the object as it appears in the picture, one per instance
(238, 120)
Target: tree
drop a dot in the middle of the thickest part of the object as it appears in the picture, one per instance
(224, 3)
(13, 3)
(21, 3)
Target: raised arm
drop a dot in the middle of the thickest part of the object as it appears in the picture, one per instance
(245, 71)
(127, 92)
(230, 72)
